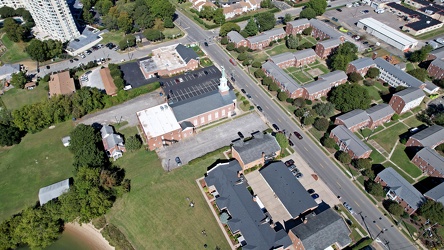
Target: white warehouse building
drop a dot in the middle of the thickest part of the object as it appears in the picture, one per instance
(387, 34)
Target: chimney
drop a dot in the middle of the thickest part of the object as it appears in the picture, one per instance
(375, 55)
(304, 220)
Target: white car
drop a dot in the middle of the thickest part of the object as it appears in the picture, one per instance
(127, 87)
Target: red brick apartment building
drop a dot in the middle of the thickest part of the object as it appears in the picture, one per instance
(430, 162)
(350, 143)
(297, 59)
(436, 69)
(237, 39)
(353, 120)
(406, 99)
(263, 40)
(361, 66)
(297, 26)
(324, 84)
(429, 137)
(326, 48)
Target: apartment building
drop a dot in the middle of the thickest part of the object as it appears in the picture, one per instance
(324, 84)
(436, 69)
(237, 39)
(430, 162)
(370, 118)
(297, 59)
(350, 143)
(406, 99)
(297, 26)
(361, 66)
(15, 4)
(263, 40)
(429, 137)
(326, 48)
(283, 80)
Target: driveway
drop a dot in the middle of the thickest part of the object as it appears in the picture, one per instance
(133, 75)
(210, 140)
(125, 111)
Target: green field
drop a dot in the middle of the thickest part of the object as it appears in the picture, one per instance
(388, 137)
(412, 122)
(156, 213)
(278, 49)
(17, 98)
(39, 160)
(373, 92)
(400, 158)
(322, 67)
(301, 77)
(112, 37)
(169, 33)
(15, 51)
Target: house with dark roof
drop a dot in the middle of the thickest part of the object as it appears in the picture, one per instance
(53, 191)
(287, 189)
(379, 114)
(321, 231)
(321, 87)
(430, 162)
(245, 216)
(436, 193)
(326, 48)
(361, 65)
(406, 100)
(353, 120)
(350, 143)
(236, 38)
(112, 142)
(256, 151)
(400, 190)
(436, 69)
(429, 137)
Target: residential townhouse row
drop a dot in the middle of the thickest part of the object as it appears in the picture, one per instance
(230, 10)
(436, 67)
(369, 118)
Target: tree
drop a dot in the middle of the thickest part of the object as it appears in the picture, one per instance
(18, 79)
(282, 141)
(153, 35)
(259, 73)
(287, 18)
(369, 173)
(324, 109)
(124, 22)
(374, 189)
(256, 64)
(227, 27)
(362, 164)
(372, 72)
(321, 124)
(219, 17)
(265, 21)
(266, 4)
(273, 86)
(84, 145)
(354, 77)
(432, 210)
(299, 102)
(319, 6)
(343, 157)
(394, 208)
(419, 73)
(347, 97)
(292, 42)
(9, 135)
(328, 142)
(168, 23)
(54, 48)
(133, 143)
(421, 54)
(207, 12)
(36, 50)
(242, 56)
(282, 96)
(307, 31)
(251, 28)
(230, 46)
(308, 13)
(142, 17)
(343, 55)
(308, 120)
(13, 30)
(439, 82)
(161, 9)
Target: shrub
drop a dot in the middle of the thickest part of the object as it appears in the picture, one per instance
(230, 46)
(343, 157)
(308, 102)
(224, 41)
(242, 56)
(328, 142)
(282, 96)
(273, 86)
(256, 64)
(133, 143)
(321, 124)
(394, 208)
(403, 140)
(385, 84)
(372, 72)
(289, 100)
(259, 73)
(267, 81)
(369, 82)
(308, 120)
(354, 77)
(395, 117)
(307, 31)
(241, 49)
(299, 102)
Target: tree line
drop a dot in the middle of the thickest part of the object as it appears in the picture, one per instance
(96, 185)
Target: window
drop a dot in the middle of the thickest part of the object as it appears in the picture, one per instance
(216, 115)
(223, 112)
(202, 119)
(209, 117)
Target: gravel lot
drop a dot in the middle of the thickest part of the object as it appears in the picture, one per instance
(210, 140)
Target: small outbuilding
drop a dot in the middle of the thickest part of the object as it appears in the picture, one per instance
(53, 191)
(30, 85)
(66, 141)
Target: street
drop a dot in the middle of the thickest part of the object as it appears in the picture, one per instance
(340, 184)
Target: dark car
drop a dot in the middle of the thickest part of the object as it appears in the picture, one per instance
(349, 208)
(340, 10)
(240, 135)
(291, 143)
(75, 59)
(259, 108)
(311, 191)
(299, 136)
(249, 96)
(289, 162)
(206, 72)
(243, 91)
(315, 196)
(195, 75)
(275, 127)
(365, 43)
(179, 163)
(299, 175)
(177, 80)
(48, 67)
(206, 44)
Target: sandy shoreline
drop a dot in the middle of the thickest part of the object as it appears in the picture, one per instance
(89, 235)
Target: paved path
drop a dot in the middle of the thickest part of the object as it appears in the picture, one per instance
(377, 147)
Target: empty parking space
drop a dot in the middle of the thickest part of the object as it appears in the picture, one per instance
(210, 140)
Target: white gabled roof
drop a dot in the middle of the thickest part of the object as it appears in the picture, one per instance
(53, 191)
(388, 31)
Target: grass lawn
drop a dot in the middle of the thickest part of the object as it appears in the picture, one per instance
(17, 98)
(322, 67)
(388, 137)
(310, 39)
(39, 160)
(205, 62)
(316, 133)
(156, 213)
(15, 52)
(400, 158)
(409, 66)
(405, 115)
(260, 56)
(301, 77)
(278, 49)
(412, 122)
(373, 92)
(198, 51)
(291, 69)
(376, 156)
(112, 37)
(405, 176)
(169, 33)
(379, 86)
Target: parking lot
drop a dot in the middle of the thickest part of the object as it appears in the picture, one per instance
(180, 88)
(92, 79)
(133, 76)
(210, 140)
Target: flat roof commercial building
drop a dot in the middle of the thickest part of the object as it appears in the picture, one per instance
(387, 34)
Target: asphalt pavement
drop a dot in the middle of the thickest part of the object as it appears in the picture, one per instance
(340, 184)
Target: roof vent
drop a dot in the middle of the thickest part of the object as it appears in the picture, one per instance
(161, 108)
(166, 106)
(427, 22)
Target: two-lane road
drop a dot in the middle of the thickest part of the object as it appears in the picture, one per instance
(365, 212)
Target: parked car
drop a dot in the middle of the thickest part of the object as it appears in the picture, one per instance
(205, 72)
(311, 191)
(259, 108)
(180, 79)
(275, 127)
(289, 162)
(232, 61)
(348, 207)
(178, 161)
(299, 175)
(240, 135)
(243, 91)
(249, 96)
(299, 136)
(177, 80)
(290, 143)
(206, 44)
(195, 75)
(315, 196)
(340, 10)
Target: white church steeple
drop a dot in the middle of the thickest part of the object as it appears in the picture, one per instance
(223, 86)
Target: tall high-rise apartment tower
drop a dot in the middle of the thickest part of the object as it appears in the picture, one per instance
(51, 17)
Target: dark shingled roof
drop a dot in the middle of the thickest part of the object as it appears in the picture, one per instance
(362, 62)
(401, 187)
(433, 158)
(354, 117)
(352, 142)
(201, 104)
(186, 53)
(410, 94)
(287, 188)
(379, 111)
(323, 230)
(436, 193)
(430, 136)
(398, 73)
(252, 150)
(246, 215)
